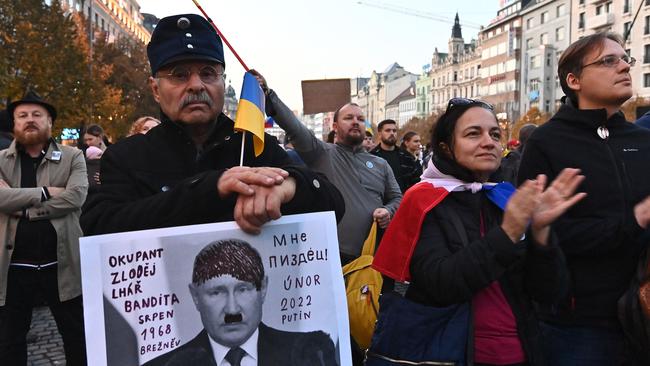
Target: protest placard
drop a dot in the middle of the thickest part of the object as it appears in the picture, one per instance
(172, 297)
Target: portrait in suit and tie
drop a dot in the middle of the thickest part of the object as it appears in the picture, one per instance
(228, 288)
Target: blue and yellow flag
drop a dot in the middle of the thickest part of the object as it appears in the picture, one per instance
(369, 126)
(250, 111)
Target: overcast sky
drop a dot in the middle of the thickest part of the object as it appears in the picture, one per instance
(293, 40)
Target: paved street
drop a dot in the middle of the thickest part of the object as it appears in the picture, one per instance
(44, 342)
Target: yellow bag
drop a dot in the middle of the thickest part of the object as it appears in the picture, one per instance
(363, 285)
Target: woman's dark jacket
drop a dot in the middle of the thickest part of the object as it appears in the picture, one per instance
(161, 179)
(444, 272)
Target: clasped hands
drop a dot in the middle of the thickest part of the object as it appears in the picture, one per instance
(260, 193)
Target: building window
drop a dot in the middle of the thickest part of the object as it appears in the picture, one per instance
(646, 27)
(529, 43)
(581, 21)
(646, 54)
(535, 62)
(599, 9)
(646, 80)
(608, 7)
(582, 2)
(543, 18)
(559, 34)
(543, 38)
(626, 28)
(560, 10)
(534, 84)
(530, 23)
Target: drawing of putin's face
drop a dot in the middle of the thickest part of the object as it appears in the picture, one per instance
(228, 288)
(231, 310)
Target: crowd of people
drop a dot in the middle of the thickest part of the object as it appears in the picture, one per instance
(537, 253)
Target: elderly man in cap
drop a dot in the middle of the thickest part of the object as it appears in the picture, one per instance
(42, 187)
(186, 170)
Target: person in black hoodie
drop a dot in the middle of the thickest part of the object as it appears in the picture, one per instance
(602, 235)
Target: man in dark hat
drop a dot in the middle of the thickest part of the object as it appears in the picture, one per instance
(42, 187)
(186, 170)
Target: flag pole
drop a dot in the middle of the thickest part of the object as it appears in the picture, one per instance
(243, 142)
(243, 138)
(221, 35)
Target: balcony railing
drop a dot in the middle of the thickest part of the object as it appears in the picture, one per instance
(601, 20)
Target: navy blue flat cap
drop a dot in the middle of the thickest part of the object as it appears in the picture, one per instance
(183, 37)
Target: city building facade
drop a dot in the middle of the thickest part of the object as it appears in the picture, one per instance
(382, 88)
(455, 73)
(115, 18)
(500, 61)
(407, 106)
(545, 35)
(424, 93)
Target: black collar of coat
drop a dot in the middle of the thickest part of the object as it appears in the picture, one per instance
(587, 118)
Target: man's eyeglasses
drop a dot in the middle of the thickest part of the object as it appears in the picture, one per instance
(612, 61)
(456, 102)
(182, 74)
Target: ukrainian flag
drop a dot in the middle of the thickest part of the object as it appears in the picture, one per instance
(369, 126)
(250, 111)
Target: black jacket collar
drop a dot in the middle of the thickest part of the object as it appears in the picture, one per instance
(587, 118)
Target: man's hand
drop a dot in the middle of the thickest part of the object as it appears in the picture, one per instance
(642, 212)
(241, 179)
(253, 211)
(382, 216)
(4, 184)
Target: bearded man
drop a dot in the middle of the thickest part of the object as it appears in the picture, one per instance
(404, 166)
(42, 187)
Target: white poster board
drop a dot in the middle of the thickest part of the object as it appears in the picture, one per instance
(138, 306)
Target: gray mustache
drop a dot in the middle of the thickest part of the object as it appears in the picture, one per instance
(202, 97)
